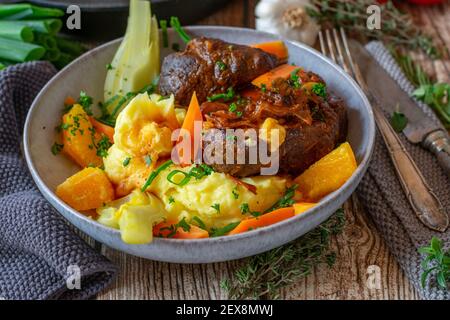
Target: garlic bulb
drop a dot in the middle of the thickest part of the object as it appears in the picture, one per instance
(287, 18)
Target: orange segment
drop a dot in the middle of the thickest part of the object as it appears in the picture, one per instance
(87, 189)
(328, 174)
(78, 137)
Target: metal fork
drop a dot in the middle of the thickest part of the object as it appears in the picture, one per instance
(422, 199)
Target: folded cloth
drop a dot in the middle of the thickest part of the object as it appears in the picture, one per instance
(39, 252)
(383, 196)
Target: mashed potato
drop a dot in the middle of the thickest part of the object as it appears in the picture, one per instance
(215, 199)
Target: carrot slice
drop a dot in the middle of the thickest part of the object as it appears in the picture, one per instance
(264, 220)
(283, 71)
(252, 94)
(103, 128)
(277, 48)
(193, 233)
(193, 116)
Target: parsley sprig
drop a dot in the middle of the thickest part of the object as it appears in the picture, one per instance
(436, 261)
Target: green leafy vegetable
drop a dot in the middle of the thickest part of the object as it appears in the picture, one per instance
(263, 275)
(199, 222)
(436, 261)
(27, 11)
(437, 96)
(19, 51)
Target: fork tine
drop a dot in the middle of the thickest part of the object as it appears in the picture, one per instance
(355, 69)
(322, 44)
(342, 60)
(330, 45)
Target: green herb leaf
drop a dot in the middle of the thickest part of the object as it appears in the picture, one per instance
(103, 146)
(199, 222)
(229, 95)
(285, 201)
(216, 206)
(436, 261)
(57, 148)
(221, 65)
(320, 89)
(398, 121)
(126, 162)
(171, 200)
(85, 101)
(218, 232)
(184, 225)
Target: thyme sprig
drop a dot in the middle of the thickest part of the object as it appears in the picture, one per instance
(264, 275)
(397, 27)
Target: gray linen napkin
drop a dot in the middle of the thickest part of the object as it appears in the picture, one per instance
(37, 246)
(384, 199)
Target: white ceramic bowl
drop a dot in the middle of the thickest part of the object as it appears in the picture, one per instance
(88, 73)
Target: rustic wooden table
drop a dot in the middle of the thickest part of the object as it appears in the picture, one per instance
(357, 248)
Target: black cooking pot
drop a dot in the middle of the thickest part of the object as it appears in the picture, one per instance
(107, 19)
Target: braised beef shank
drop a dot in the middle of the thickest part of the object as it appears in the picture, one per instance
(210, 66)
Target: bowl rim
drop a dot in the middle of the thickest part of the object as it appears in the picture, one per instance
(53, 198)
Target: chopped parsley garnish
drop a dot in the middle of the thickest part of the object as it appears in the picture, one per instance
(171, 200)
(217, 232)
(199, 222)
(263, 87)
(229, 95)
(148, 160)
(245, 209)
(183, 225)
(102, 147)
(126, 162)
(174, 228)
(239, 114)
(56, 148)
(286, 200)
(232, 107)
(109, 66)
(85, 101)
(398, 121)
(175, 23)
(221, 65)
(320, 89)
(216, 206)
(294, 80)
(235, 194)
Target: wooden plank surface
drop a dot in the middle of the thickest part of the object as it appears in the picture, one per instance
(360, 249)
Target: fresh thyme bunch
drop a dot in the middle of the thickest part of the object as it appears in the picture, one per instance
(397, 28)
(265, 274)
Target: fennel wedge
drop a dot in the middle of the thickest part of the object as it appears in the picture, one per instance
(136, 63)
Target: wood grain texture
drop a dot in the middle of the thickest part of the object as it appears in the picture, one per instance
(359, 248)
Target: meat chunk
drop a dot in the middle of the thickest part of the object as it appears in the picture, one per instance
(314, 126)
(211, 66)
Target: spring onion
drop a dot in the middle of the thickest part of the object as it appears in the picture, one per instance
(165, 36)
(2, 66)
(9, 29)
(46, 41)
(52, 54)
(175, 23)
(183, 181)
(27, 11)
(69, 47)
(47, 26)
(63, 60)
(155, 173)
(19, 51)
(136, 62)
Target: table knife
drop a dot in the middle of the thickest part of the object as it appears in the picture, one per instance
(421, 128)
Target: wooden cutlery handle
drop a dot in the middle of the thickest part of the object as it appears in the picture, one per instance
(422, 199)
(438, 143)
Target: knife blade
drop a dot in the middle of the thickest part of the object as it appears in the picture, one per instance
(390, 95)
